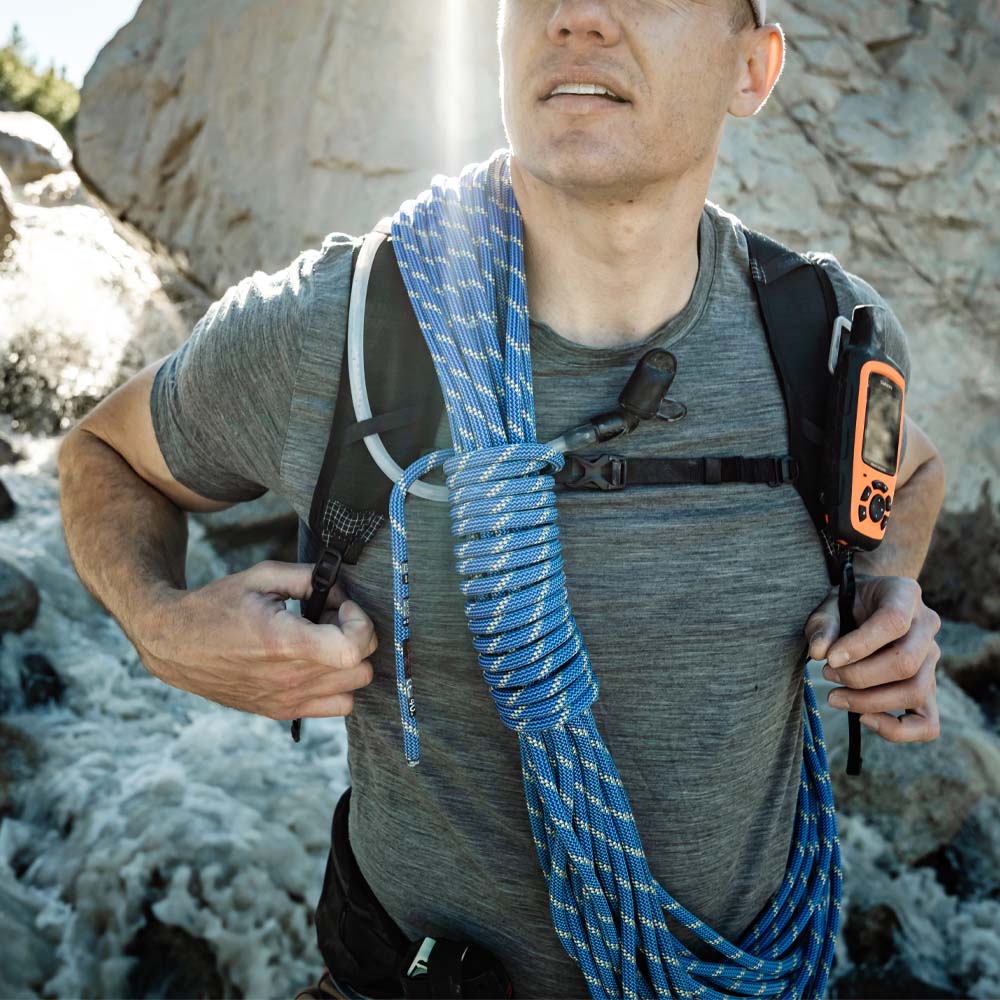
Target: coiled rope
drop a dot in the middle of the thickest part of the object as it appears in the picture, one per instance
(460, 251)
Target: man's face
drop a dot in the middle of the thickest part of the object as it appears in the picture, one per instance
(675, 62)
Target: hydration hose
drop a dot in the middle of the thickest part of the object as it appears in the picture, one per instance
(460, 250)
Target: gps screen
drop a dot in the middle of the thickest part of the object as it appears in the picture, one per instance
(881, 444)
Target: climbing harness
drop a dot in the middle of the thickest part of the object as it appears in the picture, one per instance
(460, 253)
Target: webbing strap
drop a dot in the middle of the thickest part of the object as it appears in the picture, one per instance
(616, 472)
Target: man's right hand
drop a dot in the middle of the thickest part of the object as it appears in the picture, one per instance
(234, 642)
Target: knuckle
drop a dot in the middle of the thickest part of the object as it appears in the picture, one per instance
(927, 690)
(263, 568)
(896, 621)
(368, 673)
(904, 664)
(350, 657)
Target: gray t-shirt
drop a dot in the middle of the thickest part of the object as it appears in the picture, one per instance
(692, 601)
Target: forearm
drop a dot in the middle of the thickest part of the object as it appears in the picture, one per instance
(127, 541)
(915, 509)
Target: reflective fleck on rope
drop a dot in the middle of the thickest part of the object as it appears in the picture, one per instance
(460, 251)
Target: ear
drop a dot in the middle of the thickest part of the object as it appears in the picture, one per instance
(762, 58)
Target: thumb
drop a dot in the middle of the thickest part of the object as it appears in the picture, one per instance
(357, 627)
(823, 627)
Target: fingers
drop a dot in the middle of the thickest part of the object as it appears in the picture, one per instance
(328, 683)
(289, 581)
(898, 661)
(898, 600)
(341, 639)
(914, 726)
(916, 696)
(301, 692)
(823, 627)
(324, 708)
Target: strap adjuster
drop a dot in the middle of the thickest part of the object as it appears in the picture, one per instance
(595, 472)
(786, 470)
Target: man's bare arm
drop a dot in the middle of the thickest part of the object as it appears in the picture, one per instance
(231, 641)
(126, 538)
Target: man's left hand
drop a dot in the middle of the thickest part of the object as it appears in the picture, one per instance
(887, 663)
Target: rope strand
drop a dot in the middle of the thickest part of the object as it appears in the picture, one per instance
(461, 255)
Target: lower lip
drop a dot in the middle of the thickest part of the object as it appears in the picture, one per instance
(583, 104)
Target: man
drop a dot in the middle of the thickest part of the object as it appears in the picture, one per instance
(692, 603)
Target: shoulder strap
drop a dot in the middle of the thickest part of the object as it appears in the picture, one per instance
(406, 403)
(799, 306)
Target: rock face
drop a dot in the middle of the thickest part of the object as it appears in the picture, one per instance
(879, 144)
(342, 106)
(30, 147)
(85, 300)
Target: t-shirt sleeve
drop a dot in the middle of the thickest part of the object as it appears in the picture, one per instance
(220, 402)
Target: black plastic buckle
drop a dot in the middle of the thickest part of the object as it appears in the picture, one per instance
(785, 470)
(324, 576)
(595, 472)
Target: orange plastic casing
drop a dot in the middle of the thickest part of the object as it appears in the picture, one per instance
(863, 474)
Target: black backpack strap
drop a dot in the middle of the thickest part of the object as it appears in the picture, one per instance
(351, 499)
(799, 307)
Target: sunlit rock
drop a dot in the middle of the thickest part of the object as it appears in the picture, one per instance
(83, 309)
(30, 147)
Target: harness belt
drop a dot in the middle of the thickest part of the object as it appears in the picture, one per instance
(365, 948)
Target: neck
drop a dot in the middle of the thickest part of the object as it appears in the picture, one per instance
(605, 272)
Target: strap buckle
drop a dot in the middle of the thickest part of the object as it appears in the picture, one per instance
(595, 472)
(784, 470)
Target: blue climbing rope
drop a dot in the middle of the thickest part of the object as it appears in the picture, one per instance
(461, 255)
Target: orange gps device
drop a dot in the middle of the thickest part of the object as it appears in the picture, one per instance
(865, 431)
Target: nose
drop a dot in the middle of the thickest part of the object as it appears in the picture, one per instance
(583, 21)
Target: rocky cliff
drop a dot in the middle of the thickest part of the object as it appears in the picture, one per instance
(239, 132)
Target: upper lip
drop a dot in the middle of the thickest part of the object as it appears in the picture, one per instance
(582, 75)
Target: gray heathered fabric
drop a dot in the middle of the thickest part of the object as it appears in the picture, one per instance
(692, 601)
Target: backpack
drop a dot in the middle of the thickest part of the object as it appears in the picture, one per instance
(350, 502)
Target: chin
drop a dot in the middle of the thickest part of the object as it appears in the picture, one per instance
(579, 164)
